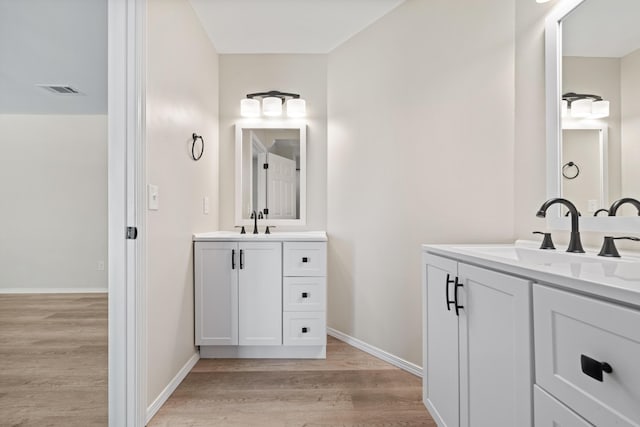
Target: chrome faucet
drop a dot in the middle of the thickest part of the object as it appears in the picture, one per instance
(614, 207)
(575, 245)
(255, 217)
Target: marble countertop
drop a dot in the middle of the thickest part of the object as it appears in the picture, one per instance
(615, 279)
(289, 236)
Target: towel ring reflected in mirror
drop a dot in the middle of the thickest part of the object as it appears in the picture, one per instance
(570, 170)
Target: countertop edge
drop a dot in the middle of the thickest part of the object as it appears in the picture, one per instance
(625, 296)
(293, 236)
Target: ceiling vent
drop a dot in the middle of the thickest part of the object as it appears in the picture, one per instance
(61, 89)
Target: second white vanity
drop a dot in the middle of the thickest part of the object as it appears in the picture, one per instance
(518, 336)
(260, 295)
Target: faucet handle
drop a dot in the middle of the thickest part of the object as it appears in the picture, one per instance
(609, 247)
(267, 231)
(243, 231)
(547, 242)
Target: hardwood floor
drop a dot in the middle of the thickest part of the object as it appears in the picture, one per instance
(349, 388)
(53, 360)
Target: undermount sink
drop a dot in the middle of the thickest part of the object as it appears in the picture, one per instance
(538, 256)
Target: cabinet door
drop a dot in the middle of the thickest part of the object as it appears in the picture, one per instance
(216, 293)
(260, 288)
(495, 349)
(440, 351)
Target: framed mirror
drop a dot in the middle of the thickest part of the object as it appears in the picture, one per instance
(271, 167)
(593, 60)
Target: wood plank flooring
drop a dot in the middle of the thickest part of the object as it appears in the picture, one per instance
(349, 388)
(53, 360)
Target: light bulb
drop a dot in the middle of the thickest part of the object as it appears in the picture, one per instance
(250, 108)
(296, 107)
(272, 106)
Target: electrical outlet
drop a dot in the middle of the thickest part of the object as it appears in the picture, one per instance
(100, 265)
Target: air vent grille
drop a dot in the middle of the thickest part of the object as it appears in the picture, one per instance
(61, 89)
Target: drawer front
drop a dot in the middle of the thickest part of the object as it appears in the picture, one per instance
(305, 259)
(551, 413)
(574, 336)
(304, 294)
(304, 328)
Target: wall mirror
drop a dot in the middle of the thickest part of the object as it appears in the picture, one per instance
(271, 169)
(593, 48)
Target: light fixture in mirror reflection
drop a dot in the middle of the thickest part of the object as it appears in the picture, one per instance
(593, 93)
(271, 174)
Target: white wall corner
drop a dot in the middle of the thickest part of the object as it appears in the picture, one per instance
(171, 387)
(412, 368)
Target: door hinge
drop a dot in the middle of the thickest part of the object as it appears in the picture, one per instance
(265, 166)
(132, 233)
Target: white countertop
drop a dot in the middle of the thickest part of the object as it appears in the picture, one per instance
(295, 236)
(616, 279)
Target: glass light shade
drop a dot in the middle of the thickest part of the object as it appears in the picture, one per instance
(272, 106)
(250, 108)
(581, 108)
(600, 109)
(564, 108)
(296, 107)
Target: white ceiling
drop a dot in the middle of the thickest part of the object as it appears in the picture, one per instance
(286, 26)
(53, 42)
(602, 28)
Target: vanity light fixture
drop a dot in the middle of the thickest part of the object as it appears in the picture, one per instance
(272, 104)
(584, 106)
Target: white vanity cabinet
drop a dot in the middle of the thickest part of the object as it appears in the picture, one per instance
(238, 293)
(260, 296)
(477, 357)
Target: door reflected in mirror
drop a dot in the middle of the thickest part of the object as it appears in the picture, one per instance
(271, 179)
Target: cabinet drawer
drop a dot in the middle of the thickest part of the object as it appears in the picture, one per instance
(304, 293)
(551, 413)
(304, 328)
(305, 259)
(569, 328)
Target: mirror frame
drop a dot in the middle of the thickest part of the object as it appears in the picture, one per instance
(553, 77)
(302, 128)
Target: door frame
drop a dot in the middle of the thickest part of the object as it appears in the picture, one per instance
(126, 180)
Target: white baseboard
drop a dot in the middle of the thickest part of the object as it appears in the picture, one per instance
(412, 368)
(53, 291)
(171, 387)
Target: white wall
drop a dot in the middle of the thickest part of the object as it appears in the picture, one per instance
(302, 74)
(420, 113)
(53, 187)
(182, 98)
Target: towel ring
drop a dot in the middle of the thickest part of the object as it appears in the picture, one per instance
(568, 175)
(193, 147)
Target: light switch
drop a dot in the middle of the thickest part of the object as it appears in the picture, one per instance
(154, 197)
(205, 205)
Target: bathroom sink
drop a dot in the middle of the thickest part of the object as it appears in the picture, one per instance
(537, 256)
